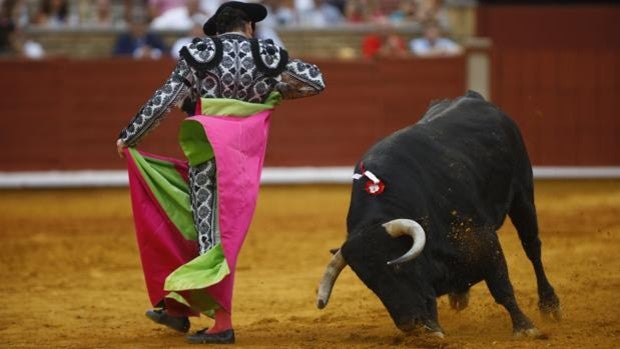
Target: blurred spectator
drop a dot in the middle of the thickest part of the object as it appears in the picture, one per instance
(360, 11)
(139, 43)
(96, 13)
(7, 27)
(302, 6)
(322, 14)
(210, 6)
(433, 10)
(432, 44)
(280, 13)
(195, 32)
(13, 41)
(384, 42)
(180, 18)
(17, 10)
(133, 9)
(25, 47)
(103, 13)
(265, 32)
(406, 12)
(339, 4)
(54, 14)
(159, 7)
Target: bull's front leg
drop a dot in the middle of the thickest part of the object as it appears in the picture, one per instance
(501, 289)
(409, 306)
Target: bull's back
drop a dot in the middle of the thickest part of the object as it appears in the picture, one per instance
(460, 157)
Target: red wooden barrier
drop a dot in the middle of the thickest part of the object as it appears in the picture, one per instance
(556, 70)
(67, 114)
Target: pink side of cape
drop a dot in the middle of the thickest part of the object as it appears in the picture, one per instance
(162, 247)
(239, 145)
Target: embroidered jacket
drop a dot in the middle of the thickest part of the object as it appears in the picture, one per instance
(226, 66)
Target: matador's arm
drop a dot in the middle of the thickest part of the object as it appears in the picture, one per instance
(173, 92)
(300, 79)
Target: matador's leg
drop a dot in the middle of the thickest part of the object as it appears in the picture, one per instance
(203, 198)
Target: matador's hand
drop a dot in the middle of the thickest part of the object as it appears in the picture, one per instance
(119, 148)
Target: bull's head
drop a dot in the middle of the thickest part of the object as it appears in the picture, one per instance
(394, 228)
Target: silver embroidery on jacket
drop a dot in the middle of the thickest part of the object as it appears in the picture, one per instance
(235, 76)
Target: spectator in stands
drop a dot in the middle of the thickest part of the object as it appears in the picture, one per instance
(103, 13)
(138, 42)
(133, 8)
(384, 42)
(159, 7)
(432, 44)
(17, 11)
(322, 14)
(195, 32)
(280, 13)
(96, 13)
(406, 12)
(180, 18)
(13, 41)
(54, 13)
(24, 47)
(363, 11)
(356, 11)
(7, 28)
(433, 10)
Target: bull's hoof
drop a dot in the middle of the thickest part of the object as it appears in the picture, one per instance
(437, 334)
(550, 309)
(423, 327)
(552, 315)
(533, 333)
(432, 328)
(459, 301)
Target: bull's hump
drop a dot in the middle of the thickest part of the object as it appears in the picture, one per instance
(442, 108)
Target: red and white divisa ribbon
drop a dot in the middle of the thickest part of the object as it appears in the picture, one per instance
(373, 186)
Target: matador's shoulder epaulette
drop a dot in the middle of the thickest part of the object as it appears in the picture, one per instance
(202, 53)
(270, 58)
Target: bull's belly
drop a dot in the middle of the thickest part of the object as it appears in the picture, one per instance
(458, 280)
(460, 272)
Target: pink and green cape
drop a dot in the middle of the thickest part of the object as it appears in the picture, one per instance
(235, 134)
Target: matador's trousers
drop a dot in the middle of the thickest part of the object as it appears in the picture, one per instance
(204, 209)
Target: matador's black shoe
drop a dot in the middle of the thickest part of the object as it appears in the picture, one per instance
(202, 337)
(177, 323)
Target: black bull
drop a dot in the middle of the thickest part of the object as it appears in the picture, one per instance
(449, 182)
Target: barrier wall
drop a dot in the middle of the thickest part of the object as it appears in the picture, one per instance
(556, 70)
(65, 114)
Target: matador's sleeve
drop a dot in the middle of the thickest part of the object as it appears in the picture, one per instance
(300, 79)
(174, 91)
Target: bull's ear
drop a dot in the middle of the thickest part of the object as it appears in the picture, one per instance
(334, 250)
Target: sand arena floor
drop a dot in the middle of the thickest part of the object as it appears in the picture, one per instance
(71, 275)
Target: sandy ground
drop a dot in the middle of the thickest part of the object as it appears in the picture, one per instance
(71, 275)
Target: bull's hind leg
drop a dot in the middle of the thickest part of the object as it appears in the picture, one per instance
(501, 289)
(523, 216)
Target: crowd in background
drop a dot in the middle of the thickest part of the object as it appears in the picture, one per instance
(141, 19)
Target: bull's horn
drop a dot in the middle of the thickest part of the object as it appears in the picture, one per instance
(332, 271)
(409, 227)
